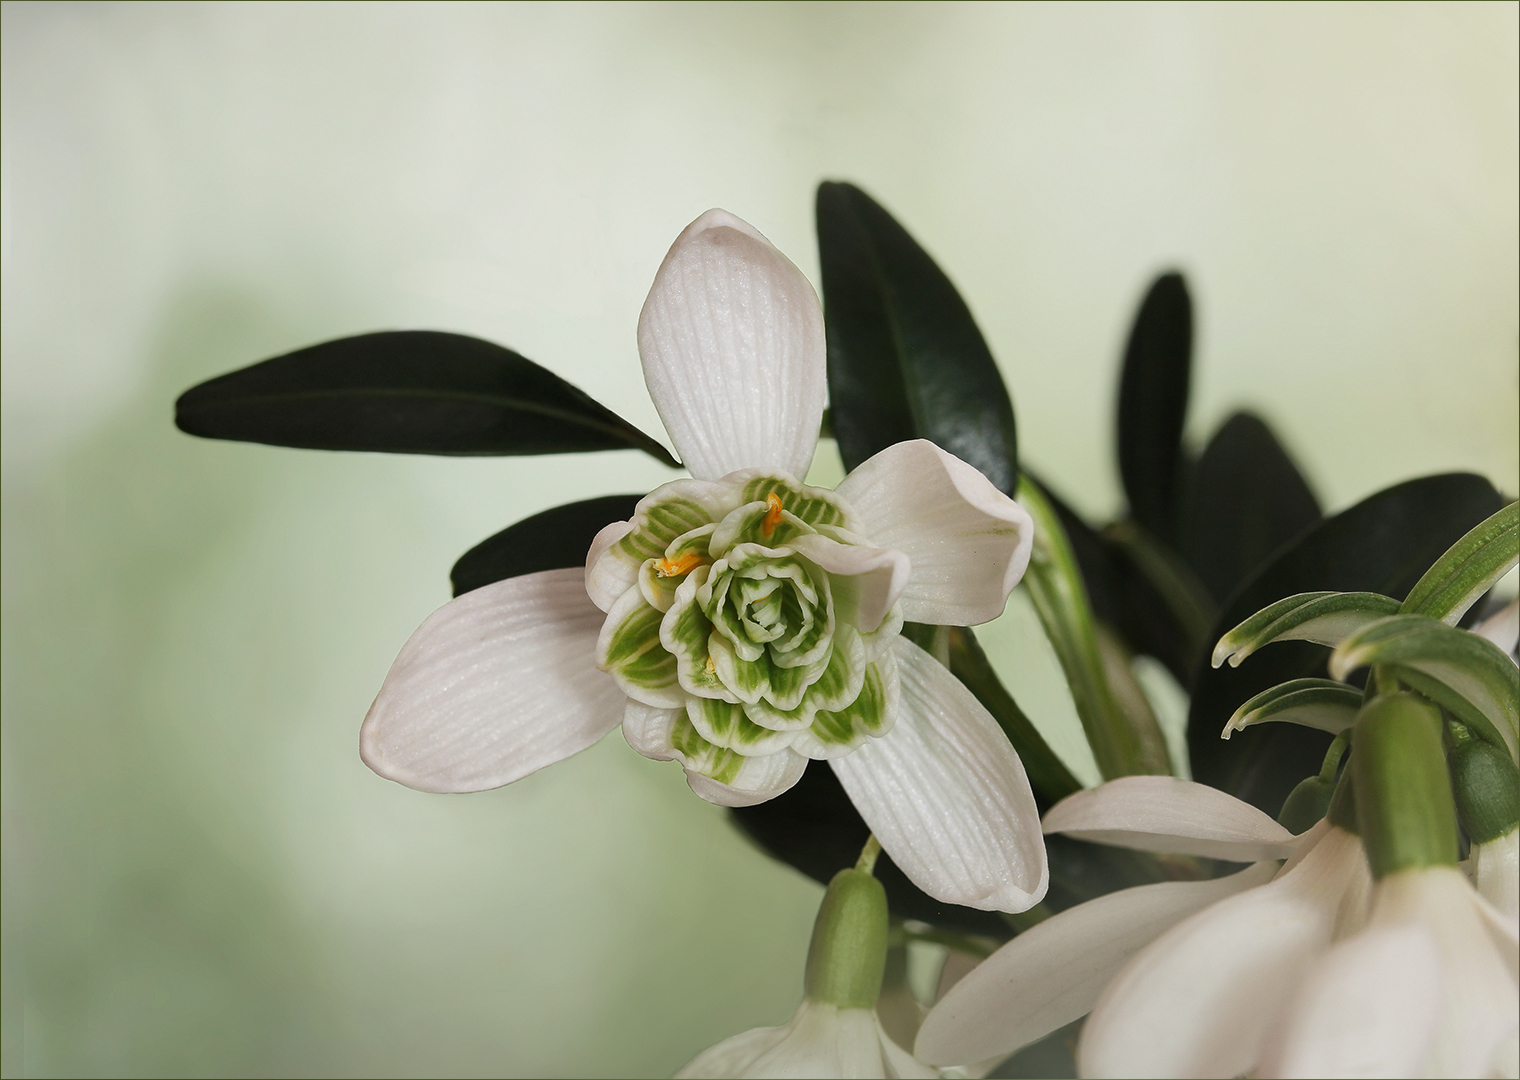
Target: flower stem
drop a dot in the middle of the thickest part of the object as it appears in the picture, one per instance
(866, 864)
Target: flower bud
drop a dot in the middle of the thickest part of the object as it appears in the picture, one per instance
(1487, 788)
(849, 949)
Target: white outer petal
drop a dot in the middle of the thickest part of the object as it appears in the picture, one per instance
(493, 686)
(1502, 627)
(820, 1040)
(1162, 813)
(1480, 1010)
(947, 796)
(1054, 972)
(968, 542)
(1368, 1007)
(731, 338)
(1496, 872)
(1197, 1001)
(865, 581)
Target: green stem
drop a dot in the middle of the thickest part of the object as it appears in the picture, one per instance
(866, 864)
(1123, 743)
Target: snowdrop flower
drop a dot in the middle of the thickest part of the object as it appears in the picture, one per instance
(743, 623)
(835, 1032)
(1427, 989)
(1181, 978)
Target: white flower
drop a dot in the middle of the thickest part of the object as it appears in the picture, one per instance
(1427, 989)
(820, 1040)
(1495, 870)
(743, 623)
(1181, 978)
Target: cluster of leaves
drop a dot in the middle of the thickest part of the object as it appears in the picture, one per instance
(1210, 537)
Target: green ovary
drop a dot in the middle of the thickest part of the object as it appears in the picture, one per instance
(747, 628)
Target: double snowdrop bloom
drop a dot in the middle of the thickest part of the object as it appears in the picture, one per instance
(1181, 978)
(743, 623)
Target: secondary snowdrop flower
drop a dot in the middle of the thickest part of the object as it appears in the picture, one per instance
(742, 622)
(1427, 989)
(1181, 978)
(835, 1032)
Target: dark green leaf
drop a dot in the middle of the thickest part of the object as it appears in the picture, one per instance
(1246, 500)
(407, 392)
(1383, 544)
(906, 360)
(1153, 399)
(553, 540)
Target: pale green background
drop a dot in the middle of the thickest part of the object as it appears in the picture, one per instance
(200, 876)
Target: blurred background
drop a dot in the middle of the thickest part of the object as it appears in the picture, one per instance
(200, 878)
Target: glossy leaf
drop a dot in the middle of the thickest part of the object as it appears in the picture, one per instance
(1153, 400)
(1124, 742)
(552, 540)
(1468, 569)
(407, 392)
(1383, 544)
(1469, 666)
(1246, 500)
(1325, 618)
(1322, 704)
(905, 358)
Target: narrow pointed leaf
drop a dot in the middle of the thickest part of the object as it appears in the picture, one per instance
(552, 540)
(1325, 618)
(1468, 569)
(407, 392)
(906, 360)
(1153, 399)
(1316, 703)
(1123, 743)
(1246, 500)
(1470, 667)
(1383, 544)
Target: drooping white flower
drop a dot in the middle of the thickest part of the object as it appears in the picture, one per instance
(820, 1040)
(1181, 978)
(743, 623)
(1427, 989)
(1495, 870)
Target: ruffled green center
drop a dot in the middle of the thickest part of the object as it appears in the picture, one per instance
(731, 623)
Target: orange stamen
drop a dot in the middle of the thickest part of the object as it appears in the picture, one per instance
(772, 516)
(676, 567)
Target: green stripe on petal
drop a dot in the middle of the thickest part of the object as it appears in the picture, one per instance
(725, 725)
(841, 681)
(788, 684)
(816, 506)
(629, 649)
(744, 680)
(662, 516)
(871, 714)
(747, 524)
(765, 714)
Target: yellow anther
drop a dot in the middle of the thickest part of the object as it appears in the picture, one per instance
(772, 516)
(712, 668)
(676, 567)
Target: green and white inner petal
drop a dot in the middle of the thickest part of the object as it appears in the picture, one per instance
(718, 774)
(869, 714)
(629, 649)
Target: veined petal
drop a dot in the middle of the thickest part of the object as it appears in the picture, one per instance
(968, 542)
(946, 794)
(1052, 973)
(629, 648)
(1368, 1007)
(865, 581)
(493, 686)
(1161, 813)
(731, 338)
(609, 573)
(758, 780)
(1234, 963)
